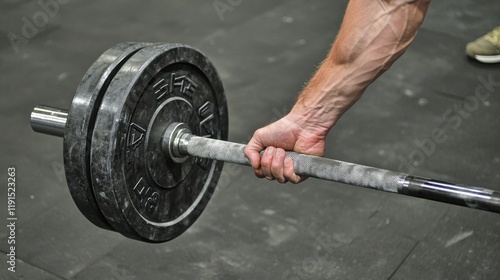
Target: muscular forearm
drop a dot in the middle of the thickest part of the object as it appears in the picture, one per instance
(372, 36)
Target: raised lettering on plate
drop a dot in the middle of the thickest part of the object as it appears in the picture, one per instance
(206, 124)
(185, 85)
(152, 202)
(135, 135)
(140, 189)
(147, 197)
(161, 88)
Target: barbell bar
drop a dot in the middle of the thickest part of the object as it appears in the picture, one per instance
(145, 143)
(179, 143)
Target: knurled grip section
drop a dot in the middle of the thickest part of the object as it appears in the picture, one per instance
(305, 165)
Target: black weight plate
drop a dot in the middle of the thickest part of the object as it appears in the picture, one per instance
(80, 125)
(142, 193)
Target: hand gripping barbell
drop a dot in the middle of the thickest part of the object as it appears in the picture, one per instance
(144, 143)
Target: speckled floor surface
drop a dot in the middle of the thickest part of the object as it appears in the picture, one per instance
(255, 229)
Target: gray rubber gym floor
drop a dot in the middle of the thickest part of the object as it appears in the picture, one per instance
(255, 229)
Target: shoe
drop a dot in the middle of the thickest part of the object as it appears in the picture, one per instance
(486, 48)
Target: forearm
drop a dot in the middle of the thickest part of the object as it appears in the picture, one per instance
(372, 36)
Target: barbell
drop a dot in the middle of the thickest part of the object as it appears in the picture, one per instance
(145, 141)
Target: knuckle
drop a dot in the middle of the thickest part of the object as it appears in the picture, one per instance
(266, 160)
(266, 171)
(277, 170)
(280, 152)
(258, 133)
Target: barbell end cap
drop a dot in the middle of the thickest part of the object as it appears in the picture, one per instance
(49, 120)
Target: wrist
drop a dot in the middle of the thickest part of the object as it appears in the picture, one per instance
(309, 123)
(329, 93)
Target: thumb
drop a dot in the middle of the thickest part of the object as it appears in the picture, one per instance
(252, 152)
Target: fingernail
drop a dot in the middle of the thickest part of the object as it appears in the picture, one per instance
(270, 150)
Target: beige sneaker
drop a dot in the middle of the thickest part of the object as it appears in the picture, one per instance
(486, 48)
